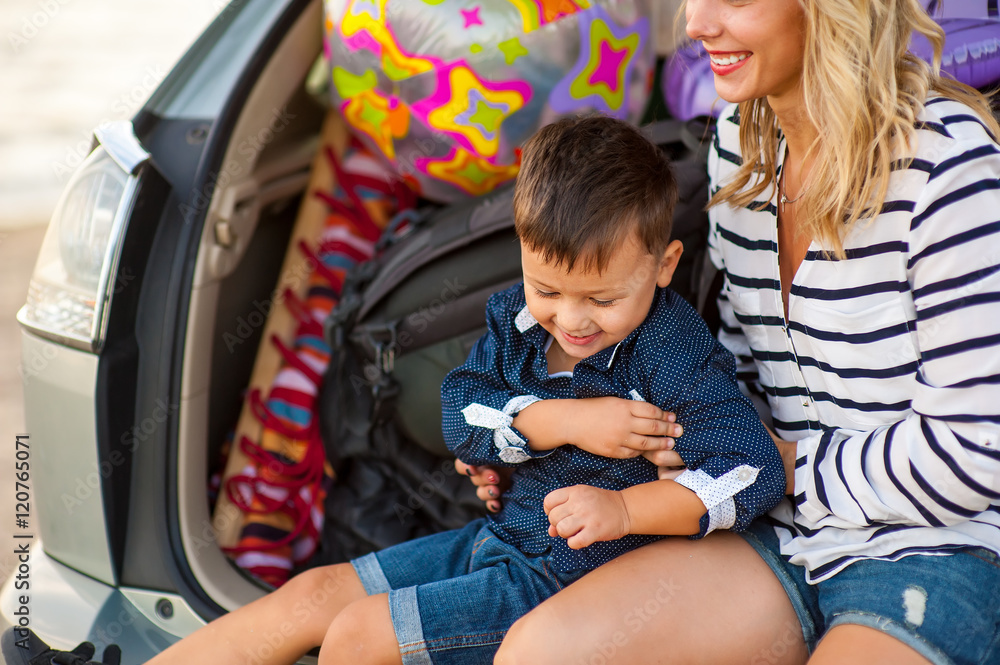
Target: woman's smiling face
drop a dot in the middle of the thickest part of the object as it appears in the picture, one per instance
(756, 46)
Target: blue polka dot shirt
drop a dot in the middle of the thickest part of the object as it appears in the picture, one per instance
(671, 360)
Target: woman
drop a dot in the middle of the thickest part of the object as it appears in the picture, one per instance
(876, 339)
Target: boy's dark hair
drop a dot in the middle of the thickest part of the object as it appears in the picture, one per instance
(585, 184)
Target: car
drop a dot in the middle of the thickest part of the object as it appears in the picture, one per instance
(166, 229)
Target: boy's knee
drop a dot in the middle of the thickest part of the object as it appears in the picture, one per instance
(327, 582)
(361, 633)
(304, 584)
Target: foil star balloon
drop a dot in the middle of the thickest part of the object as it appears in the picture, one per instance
(447, 90)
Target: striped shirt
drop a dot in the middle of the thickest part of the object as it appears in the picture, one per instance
(887, 373)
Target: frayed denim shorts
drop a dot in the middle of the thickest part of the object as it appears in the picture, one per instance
(454, 595)
(945, 607)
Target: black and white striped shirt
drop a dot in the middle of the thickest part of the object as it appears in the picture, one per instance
(888, 370)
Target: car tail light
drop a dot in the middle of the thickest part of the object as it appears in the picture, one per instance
(70, 290)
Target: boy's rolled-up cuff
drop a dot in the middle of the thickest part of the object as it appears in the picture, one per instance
(511, 446)
(717, 493)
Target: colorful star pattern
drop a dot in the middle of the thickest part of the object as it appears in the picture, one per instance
(483, 114)
(400, 87)
(536, 13)
(608, 69)
(364, 27)
(349, 85)
(469, 173)
(380, 118)
(471, 17)
(512, 49)
(600, 78)
(470, 109)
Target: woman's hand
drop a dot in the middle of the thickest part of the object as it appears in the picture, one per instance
(787, 450)
(490, 482)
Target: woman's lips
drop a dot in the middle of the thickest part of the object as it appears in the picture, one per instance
(579, 341)
(727, 63)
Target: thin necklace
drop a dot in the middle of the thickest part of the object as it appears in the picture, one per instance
(781, 192)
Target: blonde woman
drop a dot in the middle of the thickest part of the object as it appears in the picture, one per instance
(855, 216)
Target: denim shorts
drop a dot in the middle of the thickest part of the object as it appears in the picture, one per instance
(454, 595)
(946, 607)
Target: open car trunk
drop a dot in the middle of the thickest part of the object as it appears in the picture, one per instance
(258, 192)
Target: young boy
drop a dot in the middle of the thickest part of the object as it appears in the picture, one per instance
(592, 205)
(591, 334)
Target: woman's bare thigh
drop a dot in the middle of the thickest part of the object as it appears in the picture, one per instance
(675, 601)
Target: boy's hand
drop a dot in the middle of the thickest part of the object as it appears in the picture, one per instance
(620, 428)
(584, 515)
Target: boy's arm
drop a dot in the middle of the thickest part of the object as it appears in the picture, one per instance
(733, 465)
(584, 515)
(479, 405)
(606, 426)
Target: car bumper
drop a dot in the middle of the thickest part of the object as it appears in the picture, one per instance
(64, 608)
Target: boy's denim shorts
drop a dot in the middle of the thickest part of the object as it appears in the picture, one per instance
(945, 607)
(454, 595)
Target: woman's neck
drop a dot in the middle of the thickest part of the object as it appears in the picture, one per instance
(799, 131)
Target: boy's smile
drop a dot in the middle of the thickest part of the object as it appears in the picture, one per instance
(587, 311)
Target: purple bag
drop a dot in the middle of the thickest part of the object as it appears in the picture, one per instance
(971, 54)
(940, 9)
(689, 85)
(971, 50)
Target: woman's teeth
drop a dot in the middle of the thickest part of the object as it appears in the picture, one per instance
(728, 60)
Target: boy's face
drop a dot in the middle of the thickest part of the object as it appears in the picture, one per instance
(586, 311)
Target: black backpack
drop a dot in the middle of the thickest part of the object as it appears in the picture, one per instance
(409, 316)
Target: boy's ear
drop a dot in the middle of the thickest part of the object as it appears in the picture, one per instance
(668, 263)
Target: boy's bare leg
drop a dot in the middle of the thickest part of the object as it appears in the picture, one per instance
(278, 628)
(362, 635)
(673, 601)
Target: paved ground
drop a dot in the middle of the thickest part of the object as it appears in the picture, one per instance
(65, 67)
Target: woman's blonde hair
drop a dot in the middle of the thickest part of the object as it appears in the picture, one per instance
(863, 90)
